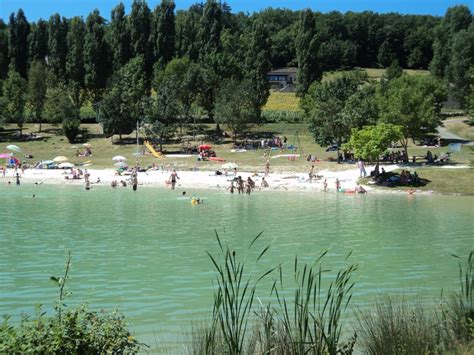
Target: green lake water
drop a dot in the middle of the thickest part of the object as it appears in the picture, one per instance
(145, 252)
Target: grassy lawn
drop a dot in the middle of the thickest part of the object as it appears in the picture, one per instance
(282, 101)
(442, 180)
(462, 129)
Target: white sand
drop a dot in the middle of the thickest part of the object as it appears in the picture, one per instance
(201, 179)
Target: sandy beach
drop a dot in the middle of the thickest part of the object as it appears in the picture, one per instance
(198, 179)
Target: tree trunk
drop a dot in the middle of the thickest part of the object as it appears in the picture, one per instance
(40, 126)
(405, 148)
(161, 143)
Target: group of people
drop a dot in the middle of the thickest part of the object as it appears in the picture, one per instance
(245, 186)
(86, 153)
(395, 157)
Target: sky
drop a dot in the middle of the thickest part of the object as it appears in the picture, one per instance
(35, 9)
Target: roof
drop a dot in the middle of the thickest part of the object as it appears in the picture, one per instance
(280, 71)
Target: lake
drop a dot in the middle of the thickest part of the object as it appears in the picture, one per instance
(145, 252)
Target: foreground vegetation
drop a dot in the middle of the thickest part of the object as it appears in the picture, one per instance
(307, 317)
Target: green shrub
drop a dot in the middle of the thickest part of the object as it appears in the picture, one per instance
(71, 129)
(78, 331)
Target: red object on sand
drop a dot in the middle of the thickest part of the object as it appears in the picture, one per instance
(221, 160)
(205, 147)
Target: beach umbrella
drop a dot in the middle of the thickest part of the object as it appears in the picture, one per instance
(13, 148)
(47, 162)
(66, 165)
(87, 145)
(119, 158)
(205, 146)
(121, 164)
(60, 159)
(229, 166)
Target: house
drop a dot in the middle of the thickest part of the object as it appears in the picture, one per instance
(283, 79)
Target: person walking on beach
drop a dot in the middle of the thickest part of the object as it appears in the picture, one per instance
(361, 166)
(325, 185)
(173, 177)
(311, 173)
(267, 167)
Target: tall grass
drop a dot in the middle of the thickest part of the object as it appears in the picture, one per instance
(233, 299)
(460, 312)
(395, 326)
(312, 323)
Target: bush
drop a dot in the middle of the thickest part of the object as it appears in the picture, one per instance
(71, 129)
(78, 331)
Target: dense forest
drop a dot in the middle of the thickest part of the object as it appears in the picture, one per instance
(165, 64)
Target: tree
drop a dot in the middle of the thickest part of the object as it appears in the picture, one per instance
(187, 32)
(19, 29)
(181, 77)
(4, 59)
(122, 105)
(307, 45)
(57, 46)
(210, 28)
(414, 103)
(462, 59)
(119, 37)
(370, 142)
(257, 65)
(457, 18)
(328, 107)
(140, 24)
(161, 113)
(164, 32)
(38, 41)
(14, 92)
(37, 91)
(235, 107)
(58, 106)
(75, 70)
(96, 54)
(393, 71)
(361, 108)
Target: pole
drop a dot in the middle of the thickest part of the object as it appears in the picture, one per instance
(137, 137)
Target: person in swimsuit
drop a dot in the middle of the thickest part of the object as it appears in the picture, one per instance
(173, 177)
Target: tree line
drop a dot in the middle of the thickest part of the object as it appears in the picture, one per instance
(163, 67)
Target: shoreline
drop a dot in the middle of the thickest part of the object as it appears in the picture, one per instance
(281, 181)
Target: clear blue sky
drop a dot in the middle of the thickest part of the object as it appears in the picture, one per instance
(35, 9)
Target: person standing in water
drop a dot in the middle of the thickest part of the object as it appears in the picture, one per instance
(338, 184)
(134, 179)
(173, 177)
(325, 185)
(17, 179)
(267, 167)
